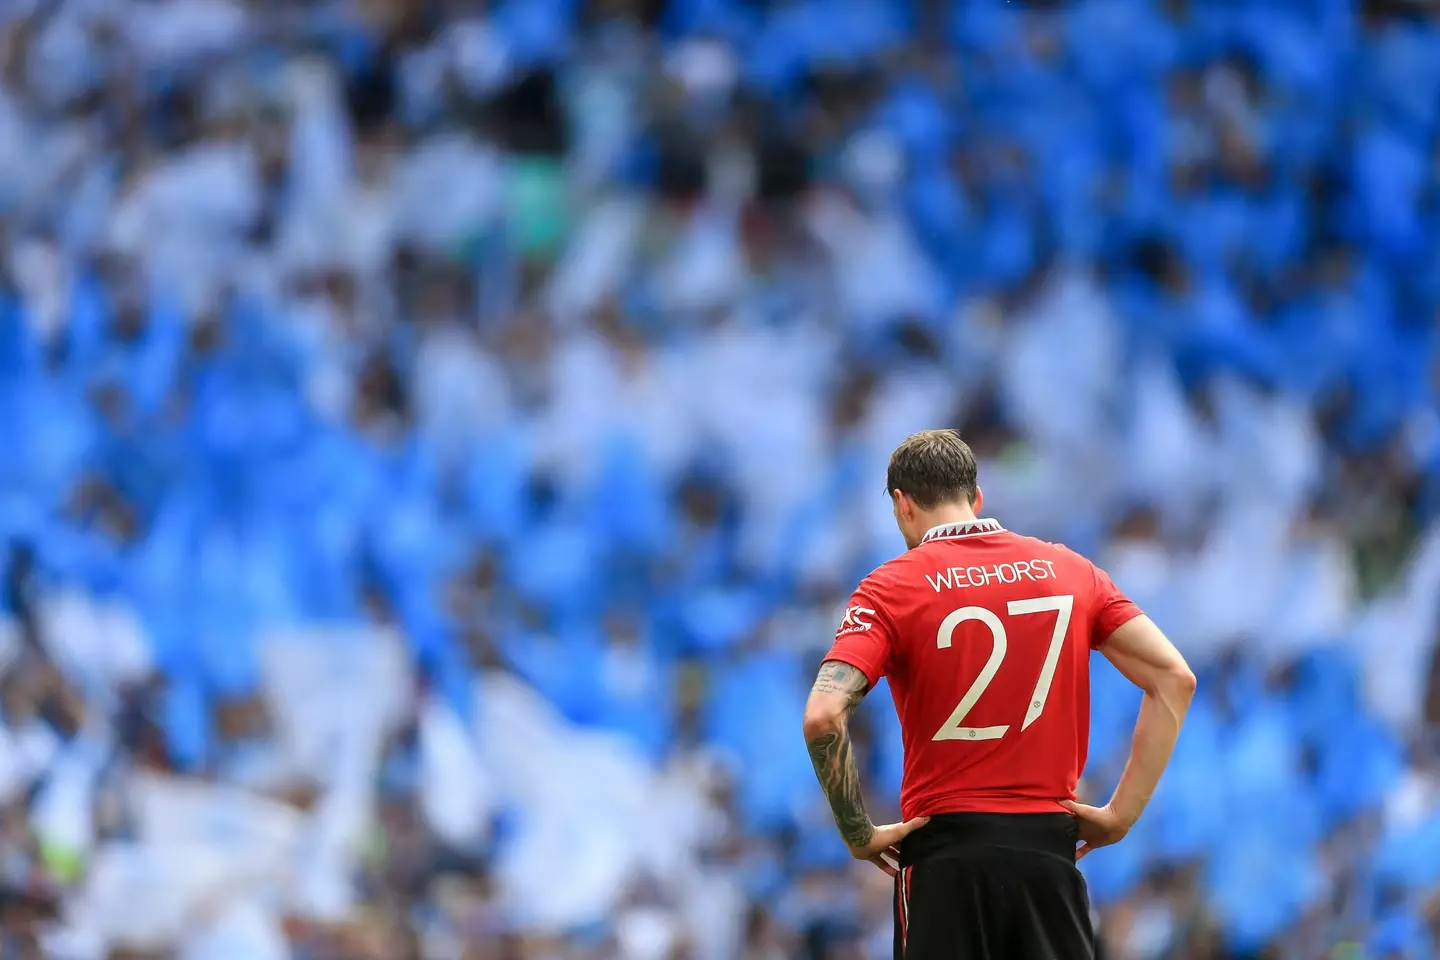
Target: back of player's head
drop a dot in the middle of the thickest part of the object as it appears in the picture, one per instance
(933, 467)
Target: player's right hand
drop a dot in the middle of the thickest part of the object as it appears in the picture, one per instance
(1099, 826)
(883, 850)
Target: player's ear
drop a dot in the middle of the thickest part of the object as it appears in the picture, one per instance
(979, 500)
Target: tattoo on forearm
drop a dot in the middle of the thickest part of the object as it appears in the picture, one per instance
(834, 762)
(833, 756)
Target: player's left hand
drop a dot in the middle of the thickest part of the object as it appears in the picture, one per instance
(883, 850)
(1099, 826)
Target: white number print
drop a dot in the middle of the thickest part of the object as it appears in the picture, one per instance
(1061, 605)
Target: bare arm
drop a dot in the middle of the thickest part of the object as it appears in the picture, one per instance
(1148, 659)
(838, 690)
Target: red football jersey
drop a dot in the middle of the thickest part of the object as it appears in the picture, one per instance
(985, 637)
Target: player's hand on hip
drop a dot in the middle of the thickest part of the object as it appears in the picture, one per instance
(883, 850)
(1099, 826)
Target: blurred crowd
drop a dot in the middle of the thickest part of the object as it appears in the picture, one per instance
(440, 435)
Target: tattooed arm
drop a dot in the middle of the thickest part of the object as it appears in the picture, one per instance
(837, 691)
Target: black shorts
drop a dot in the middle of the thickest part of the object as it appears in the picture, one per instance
(990, 885)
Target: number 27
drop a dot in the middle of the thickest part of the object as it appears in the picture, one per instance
(1061, 605)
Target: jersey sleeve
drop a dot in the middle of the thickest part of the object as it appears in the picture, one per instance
(1112, 609)
(864, 635)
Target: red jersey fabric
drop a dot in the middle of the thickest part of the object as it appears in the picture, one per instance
(985, 637)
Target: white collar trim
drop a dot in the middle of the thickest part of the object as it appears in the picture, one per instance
(963, 529)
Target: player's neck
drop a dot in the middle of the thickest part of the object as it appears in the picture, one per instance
(947, 514)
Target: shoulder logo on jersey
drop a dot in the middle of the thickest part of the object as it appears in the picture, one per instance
(855, 621)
